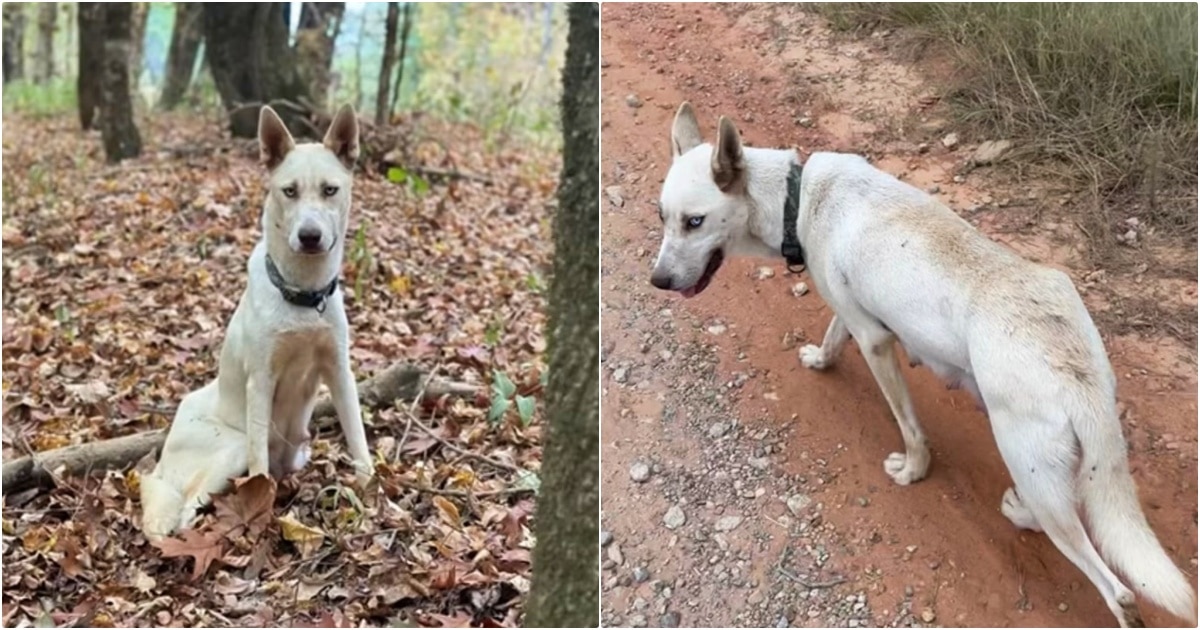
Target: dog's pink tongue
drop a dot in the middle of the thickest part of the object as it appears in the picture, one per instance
(688, 292)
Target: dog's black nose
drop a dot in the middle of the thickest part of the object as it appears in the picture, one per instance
(662, 281)
(310, 239)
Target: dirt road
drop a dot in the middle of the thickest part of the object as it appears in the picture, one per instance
(741, 489)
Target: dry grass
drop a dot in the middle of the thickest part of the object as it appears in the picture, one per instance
(1101, 94)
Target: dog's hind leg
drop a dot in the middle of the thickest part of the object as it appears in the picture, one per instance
(879, 350)
(1042, 457)
(820, 358)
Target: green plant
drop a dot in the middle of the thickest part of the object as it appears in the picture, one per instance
(49, 99)
(360, 256)
(504, 396)
(415, 183)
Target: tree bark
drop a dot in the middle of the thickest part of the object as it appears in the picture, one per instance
(565, 580)
(358, 48)
(181, 57)
(251, 63)
(91, 62)
(14, 38)
(120, 134)
(47, 24)
(315, 40)
(137, 42)
(385, 69)
(399, 381)
(408, 22)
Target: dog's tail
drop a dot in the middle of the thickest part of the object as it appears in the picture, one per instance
(1118, 526)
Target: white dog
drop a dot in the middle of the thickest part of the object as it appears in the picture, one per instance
(894, 264)
(288, 334)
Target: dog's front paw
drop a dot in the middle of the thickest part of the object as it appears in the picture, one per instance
(904, 469)
(363, 473)
(1014, 508)
(813, 358)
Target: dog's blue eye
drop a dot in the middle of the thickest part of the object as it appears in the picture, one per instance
(329, 191)
(695, 222)
(289, 192)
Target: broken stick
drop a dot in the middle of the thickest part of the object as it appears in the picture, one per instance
(399, 381)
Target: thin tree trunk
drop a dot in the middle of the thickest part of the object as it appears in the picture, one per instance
(408, 22)
(315, 41)
(14, 38)
(565, 580)
(358, 49)
(47, 24)
(121, 138)
(137, 44)
(90, 78)
(385, 69)
(181, 58)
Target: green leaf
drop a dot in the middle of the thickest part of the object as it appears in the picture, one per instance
(544, 379)
(419, 185)
(525, 408)
(397, 175)
(503, 385)
(499, 406)
(527, 480)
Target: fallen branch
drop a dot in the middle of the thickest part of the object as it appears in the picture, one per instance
(399, 381)
(806, 584)
(432, 173)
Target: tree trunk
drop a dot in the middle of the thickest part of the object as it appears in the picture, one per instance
(91, 63)
(358, 49)
(315, 39)
(251, 63)
(14, 38)
(565, 580)
(137, 41)
(385, 70)
(47, 24)
(181, 58)
(408, 22)
(121, 138)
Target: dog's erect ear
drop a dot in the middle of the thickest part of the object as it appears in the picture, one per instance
(728, 162)
(342, 137)
(274, 139)
(685, 133)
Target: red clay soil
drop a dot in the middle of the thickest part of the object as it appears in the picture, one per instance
(787, 81)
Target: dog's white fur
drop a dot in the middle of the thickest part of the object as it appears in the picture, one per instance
(894, 264)
(254, 417)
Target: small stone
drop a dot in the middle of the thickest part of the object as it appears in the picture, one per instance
(614, 554)
(640, 574)
(863, 501)
(637, 621)
(958, 179)
(606, 538)
(728, 523)
(908, 591)
(796, 504)
(633, 101)
(950, 140)
(620, 375)
(674, 518)
(718, 429)
(669, 620)
(934, 564)
(616, 195)
(782, 623)
(934, 189)
(760, 463)
(1062, 607)
(911, 549)
(991, 151)
(799, 289)
(765, 272)
(1129, 238)
(639, 472)
(928, 615)
(717, 329)
(923, 147)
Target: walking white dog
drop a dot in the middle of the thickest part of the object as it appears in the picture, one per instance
(894, 264)
(288, 334)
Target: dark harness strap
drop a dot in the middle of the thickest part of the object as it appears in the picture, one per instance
(308, 299)
(792, 252)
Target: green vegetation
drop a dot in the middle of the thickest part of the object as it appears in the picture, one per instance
(49, 99)
(1106, 90)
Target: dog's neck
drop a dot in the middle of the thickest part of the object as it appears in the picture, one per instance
(306, 272)
(766, 188)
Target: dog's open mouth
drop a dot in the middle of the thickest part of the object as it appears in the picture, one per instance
(714, 263)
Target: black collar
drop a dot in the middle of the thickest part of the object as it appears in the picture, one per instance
(309, 299)
(791, 249)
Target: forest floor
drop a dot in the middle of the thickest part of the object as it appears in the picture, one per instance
(118, 284)
(740, 489)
